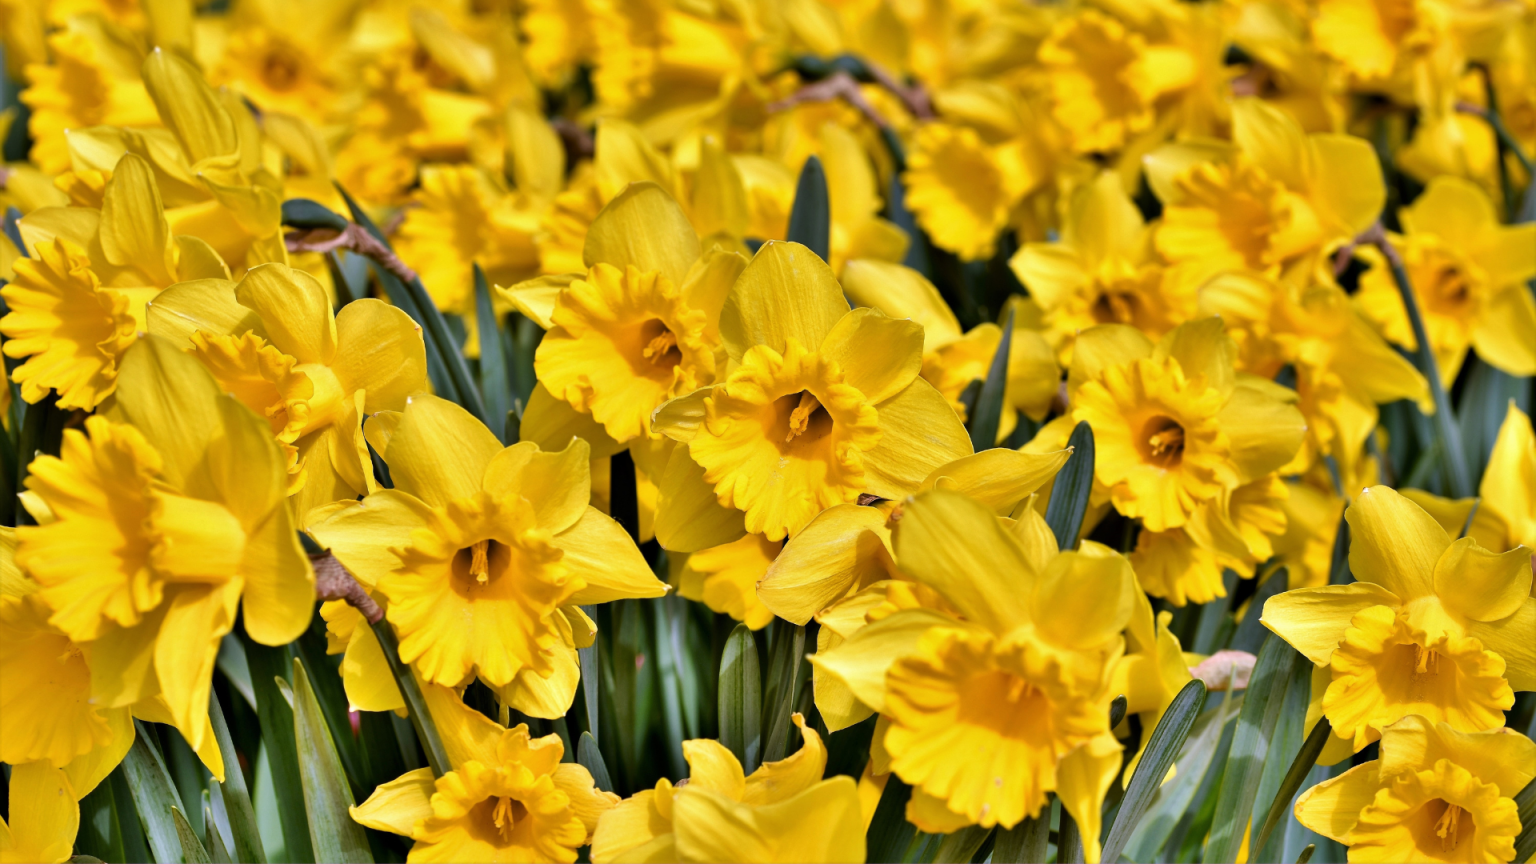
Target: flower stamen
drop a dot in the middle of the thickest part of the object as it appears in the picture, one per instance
(659, 347)
(1426, 660)
(1166, 443)
(1447, 825)
(480, 562)
(502, 817)
(800, 418)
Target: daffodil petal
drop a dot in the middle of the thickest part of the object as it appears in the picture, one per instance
(295, 309)
(398, 805)
(1313, 620)
(1332, 807)
(878, 355)
(551, 423)
(1502, 332)
(1483, 585)
(785, 293)
(985, 576)
(440, 451)
(643, 228)
(919, 432)
(842, 547)
(862, 660)
(602, 553)
(689, 517)
(1394, 543)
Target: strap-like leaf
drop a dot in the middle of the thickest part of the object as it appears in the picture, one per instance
(1164, 745)
(327, 795)
(1525, 802)
(421, 718)
(741, 709)
(1069, 497)
(989, 405)
(268, 665)
(787, 671)
(233, 793)
(810, 219)
(192, 850)
(590, 758)
(1025, 842)
(495, 388)
(1294, 777)
(889, 831)
(154, 796)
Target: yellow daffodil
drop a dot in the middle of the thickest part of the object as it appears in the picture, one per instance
(508, 796)
(1106, 80)
(1436, 794)
(1506, 517)
(963, 189)
(782, 812)
(1376, 42)
(1103, 271)
(157, 522)
(1468, 273)
(1274, 198)
(1015, 681)
(1436, 628)
(1174, 425)
(272, 341)
(1152, 671)
(824, 403)
(725, 578)
(483, 553)
(44, 816)
(854, 199)
(93, 80)
(1235, 530)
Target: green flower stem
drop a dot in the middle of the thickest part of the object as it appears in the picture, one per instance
(1449, 432)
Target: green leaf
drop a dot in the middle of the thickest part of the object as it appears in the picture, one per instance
(1250, 747)
(218, 853)
(327, 794)
(232, 792)
(1294, 777)
(989, 405)
(1165, 744)
(664, 631)
(1286, 741)
(1484, 403)
(787, 671)
(848, 749)
(896, 211)
(192, 850)
(1306, 854)
(810, 219)
(1250, 632)
(1069, 495)
(100, 835)
(741, 698)
(587, 658)
(495, 387)
(267, 665)
(154, 795)
(590, 758)
(421, 718)
(304, 213)
(134, 846)
(1525, 802)
(889, 831)
(958, 847)
(1171, 801)
(1025, 842)
(325, 678)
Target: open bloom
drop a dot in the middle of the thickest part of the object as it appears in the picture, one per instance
(272, 341)
(994, 687)
(1442, 629)
(483, 553)
(158, 522)
(1468, 272)
(783, 811)
(508, 797)
(45, 815)
(1173, 424)
(823, 404)
(1436, 794)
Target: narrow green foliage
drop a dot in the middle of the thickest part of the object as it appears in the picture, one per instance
(1294, 777)
(741, 698)
(421, 718)
(1525, 801)
(889, 831)
(267, 665)
(1165, 744)
(587, 658)
(308, 214)
(100, 834)
(1250, 633)
(786, 673)
(233, 793)
(989, 405)
(192, 850)
(154, 795)
(218, 853)
(1069, 497)
(1250, 747)
(327, 795)
(1284, 744)
(959, 846)
(810, 219)
(495, 387)
(1025, 842)
(590, 758)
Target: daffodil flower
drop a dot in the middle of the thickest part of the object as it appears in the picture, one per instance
(1436, 794)
(824, 403)
(45, 816)
(483, 553)
(84, 85)
(1442, 629)
(508, 796)
(1174, 425)
(272, 341)
(782, 812)
(1505, 514)
(1468, 272)
(157, 522)
(1013, 677)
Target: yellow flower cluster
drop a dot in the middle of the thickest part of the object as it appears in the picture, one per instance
(768, 430)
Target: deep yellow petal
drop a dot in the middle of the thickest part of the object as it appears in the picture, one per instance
(1313, 620)
(785, 293)
(879, 355)
(955, 546)
(398, 805)
(440, 451)
(603, 554)
(44, 815)
(643, 228)
(1394, 543)
(919, 432)
(1483, 585)
(842, 547)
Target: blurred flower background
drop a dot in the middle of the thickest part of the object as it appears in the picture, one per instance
(797, 430)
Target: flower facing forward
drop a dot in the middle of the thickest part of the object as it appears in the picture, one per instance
(823, 404)
(1468, 272)
(1173, 424)
(1442, 629)
(508, 797)
(783, 811)
(272, 341)
(483, 553)
(999, 700)
(156, 522)
(1436, 794)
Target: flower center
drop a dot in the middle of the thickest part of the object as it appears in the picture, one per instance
(1114, 307)
(807, 413)
(1447, 825)
(506, 814)
(660, 344)
(477, 563)
(1165, 441)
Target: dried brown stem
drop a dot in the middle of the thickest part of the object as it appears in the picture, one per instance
(839, 85)
(354, 239)
(335, 582)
